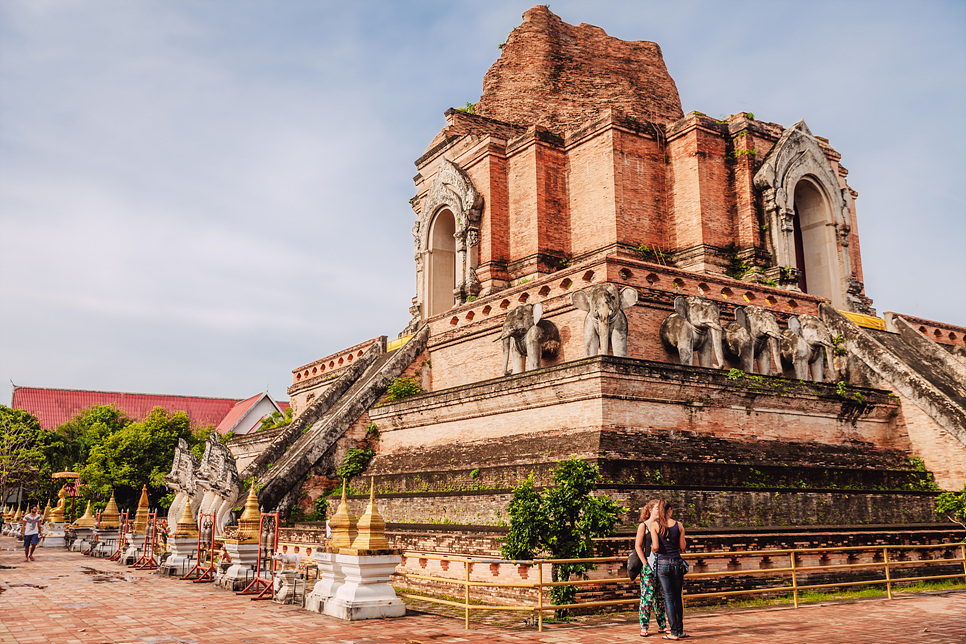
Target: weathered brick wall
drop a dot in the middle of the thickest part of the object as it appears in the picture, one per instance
(607, 392)
(588, 68)
(949, 335)
(943, 454)
(445, 540)
(462, 348)
(245, 448)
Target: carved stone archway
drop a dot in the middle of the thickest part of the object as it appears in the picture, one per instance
(451, 191)
(797, 159)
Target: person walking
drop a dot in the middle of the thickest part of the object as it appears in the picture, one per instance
(651, 595)
(30, 529)
(667, 541)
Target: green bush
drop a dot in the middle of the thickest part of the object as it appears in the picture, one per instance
(355, 462)
(319, 510)
(952, 505)
(401, 388)
(561, 521)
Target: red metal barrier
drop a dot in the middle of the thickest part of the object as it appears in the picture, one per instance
(260, 587)
(122, 524)
(147, 560)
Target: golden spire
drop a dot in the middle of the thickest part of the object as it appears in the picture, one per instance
(342, 525)
(141, 517)
(47, 512)
(57, 514)
(372, 527)
(186, 527)
(17, 515)
(86, 521)
(110, 517)
(248, 523)
(8, 514)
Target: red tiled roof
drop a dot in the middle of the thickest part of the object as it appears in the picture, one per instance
(54, 407)
(237, 412)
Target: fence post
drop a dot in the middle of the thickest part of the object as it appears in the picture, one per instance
(466, 594)
(540, 596)
(794, 580)
(885, 556)
(962, 552)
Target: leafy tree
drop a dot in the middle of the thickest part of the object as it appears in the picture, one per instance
(22, 455)
(561, 522)
(88, 428)
(138, 453)
(276, 419)
(953, 506)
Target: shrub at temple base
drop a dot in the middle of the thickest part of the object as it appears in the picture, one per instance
(561, 522)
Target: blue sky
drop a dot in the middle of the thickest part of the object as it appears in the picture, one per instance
(197, 197)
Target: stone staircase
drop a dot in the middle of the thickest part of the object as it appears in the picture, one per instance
(292, 454)
(931, 383)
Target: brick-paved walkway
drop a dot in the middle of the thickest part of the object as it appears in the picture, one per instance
(55, 600)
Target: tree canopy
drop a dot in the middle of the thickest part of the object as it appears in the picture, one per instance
(109, 449)
(22, 455)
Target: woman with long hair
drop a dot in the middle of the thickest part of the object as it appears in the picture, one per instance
(667, 541)
(651, 595)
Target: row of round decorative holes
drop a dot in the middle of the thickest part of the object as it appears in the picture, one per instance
(544, 291)
(332, 363)
(625, 274)
(939, 334)
(726, 293)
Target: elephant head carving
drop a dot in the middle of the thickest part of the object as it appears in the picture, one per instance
(753, 338)
(694, 326)
(526, 337)
(804, 346)
(605, 326)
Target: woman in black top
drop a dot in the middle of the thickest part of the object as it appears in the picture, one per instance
(651, 595)
(667, 540)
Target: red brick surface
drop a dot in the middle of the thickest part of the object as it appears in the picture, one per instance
(559, 75)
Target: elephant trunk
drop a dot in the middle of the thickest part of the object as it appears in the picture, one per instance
(774, 361)
(717, 360)
(603, 332)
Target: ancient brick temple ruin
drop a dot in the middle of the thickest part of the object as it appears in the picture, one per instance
(676, 298)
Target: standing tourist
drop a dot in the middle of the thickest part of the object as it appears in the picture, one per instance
(30, 529)
(667, 540)
(651, 595)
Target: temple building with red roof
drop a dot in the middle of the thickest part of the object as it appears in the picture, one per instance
(54, 407)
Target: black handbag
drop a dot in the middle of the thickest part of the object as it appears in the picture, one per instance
(634, 565)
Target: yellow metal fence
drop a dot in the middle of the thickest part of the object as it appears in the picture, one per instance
(791, 575)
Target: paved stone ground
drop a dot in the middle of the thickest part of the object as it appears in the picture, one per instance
(59, 599)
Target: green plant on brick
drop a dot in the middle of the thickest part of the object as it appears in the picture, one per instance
(401, 388)
(952, 505)
(561, 521)
(354, 462)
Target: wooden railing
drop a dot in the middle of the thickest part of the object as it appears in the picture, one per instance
(791, 574)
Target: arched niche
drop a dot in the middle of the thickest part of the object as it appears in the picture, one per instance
(441, 263)
(808, 215)
(452, 197)
(816, 256)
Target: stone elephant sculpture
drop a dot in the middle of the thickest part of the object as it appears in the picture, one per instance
(605, 326)
(753, 338)
(804, 346)
(526, 337)
(695, 325)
